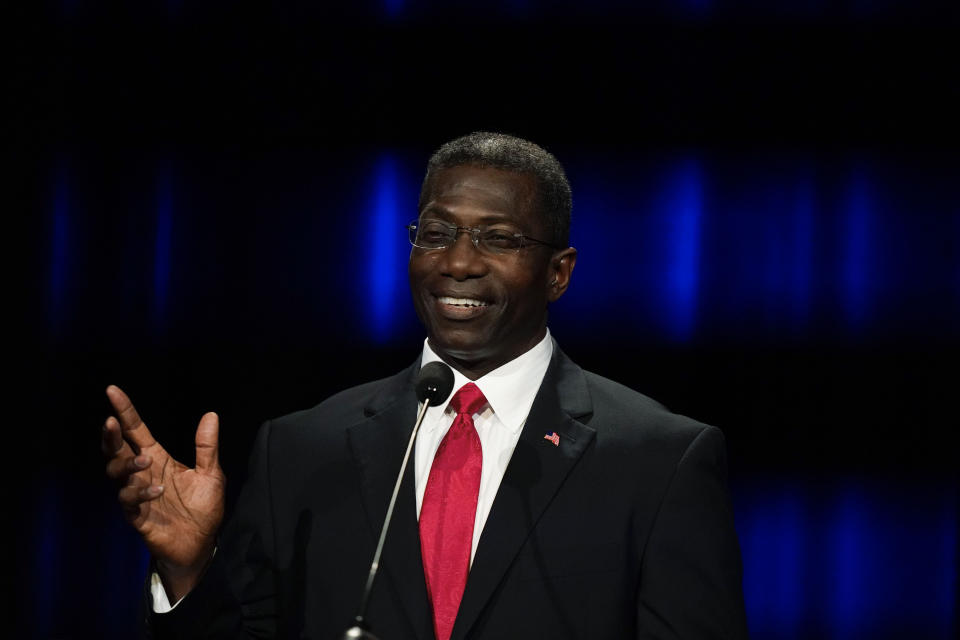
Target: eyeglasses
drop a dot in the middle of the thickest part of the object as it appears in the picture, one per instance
(496, 239)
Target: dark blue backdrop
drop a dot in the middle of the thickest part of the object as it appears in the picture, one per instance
(766, 209)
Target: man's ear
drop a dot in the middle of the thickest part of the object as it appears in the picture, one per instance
(561, 268)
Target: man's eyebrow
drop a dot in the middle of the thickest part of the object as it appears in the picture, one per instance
(444, 213)
(436, 209)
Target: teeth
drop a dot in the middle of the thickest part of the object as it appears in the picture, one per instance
(462, 302)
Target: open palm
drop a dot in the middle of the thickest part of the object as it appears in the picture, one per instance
(177, 509)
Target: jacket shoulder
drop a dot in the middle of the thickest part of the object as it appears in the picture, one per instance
(624, 414)
(339, 411)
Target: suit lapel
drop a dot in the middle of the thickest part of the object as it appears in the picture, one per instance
(378, 444)
(536, 472)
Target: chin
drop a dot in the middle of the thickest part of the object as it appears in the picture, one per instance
(465, 348)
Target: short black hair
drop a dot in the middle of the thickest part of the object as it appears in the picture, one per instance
(509, 153)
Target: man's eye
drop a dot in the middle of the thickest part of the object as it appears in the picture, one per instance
(500, 238)
(433, 235)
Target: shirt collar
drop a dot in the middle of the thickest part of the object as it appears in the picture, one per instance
(509, 389)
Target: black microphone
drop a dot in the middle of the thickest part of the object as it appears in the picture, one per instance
(434, 384)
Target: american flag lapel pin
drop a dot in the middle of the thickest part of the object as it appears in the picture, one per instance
(553, 437)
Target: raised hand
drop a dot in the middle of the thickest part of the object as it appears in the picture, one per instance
(176, 509)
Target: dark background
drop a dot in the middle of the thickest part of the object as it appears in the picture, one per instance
(207, 207)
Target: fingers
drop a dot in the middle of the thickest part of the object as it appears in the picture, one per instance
(136, 492)
(206, 441)
(111, 440)
(121, 467)
(132, 427)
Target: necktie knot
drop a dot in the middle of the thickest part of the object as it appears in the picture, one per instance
(468, 400)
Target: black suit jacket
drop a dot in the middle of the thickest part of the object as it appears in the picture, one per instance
(623, 530)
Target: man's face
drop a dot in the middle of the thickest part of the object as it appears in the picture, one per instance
(482, 310)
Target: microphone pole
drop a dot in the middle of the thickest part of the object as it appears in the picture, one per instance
(434, 384)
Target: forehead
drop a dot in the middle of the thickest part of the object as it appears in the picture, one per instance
(472, 194)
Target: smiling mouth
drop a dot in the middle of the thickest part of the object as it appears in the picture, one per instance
(460, 309)
(461, 302)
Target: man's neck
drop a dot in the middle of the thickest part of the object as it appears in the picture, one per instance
(476, 369)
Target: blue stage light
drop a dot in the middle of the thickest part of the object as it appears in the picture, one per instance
(682, 214)
(859, 275)
(801, 209)
(385, 275)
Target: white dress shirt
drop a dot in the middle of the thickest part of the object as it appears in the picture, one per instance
(509, 390)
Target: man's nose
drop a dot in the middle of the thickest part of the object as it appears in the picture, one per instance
(463, 257)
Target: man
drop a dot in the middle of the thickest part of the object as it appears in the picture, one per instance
(543, 501)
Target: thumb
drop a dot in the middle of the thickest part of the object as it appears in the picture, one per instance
(206, 440)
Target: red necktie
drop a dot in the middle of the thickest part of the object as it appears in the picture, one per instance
(449, 509)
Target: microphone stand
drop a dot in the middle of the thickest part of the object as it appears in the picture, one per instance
(359, 631)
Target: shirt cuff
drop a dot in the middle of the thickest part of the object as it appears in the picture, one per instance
(161, 603)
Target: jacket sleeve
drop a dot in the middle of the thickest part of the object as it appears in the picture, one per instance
(236, 598)
(691, 572)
